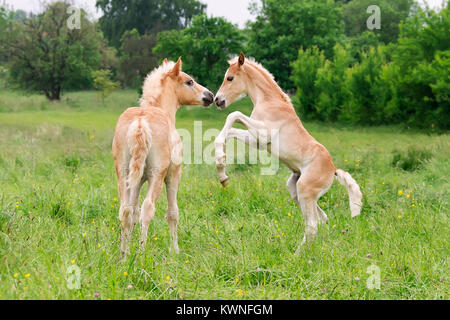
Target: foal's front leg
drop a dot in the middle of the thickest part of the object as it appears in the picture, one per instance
(257, 132)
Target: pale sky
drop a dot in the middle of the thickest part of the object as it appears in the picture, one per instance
(235, 11)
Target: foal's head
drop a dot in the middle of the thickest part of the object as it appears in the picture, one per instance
(234, 84)
(186, 89)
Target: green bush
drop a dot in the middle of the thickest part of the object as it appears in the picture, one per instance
(330, 83)
(305, 70)
(104, 84)
(420, 75)
(407, 83)
(368, 90)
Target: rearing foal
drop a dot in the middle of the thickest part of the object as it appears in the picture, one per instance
(313, 171)
(147, 147)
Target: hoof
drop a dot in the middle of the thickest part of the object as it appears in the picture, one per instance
(224, 182)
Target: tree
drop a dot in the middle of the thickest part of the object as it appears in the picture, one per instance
(282, 27)
(137, 58)
(146, 16)
(420, 73)
(104, 84)
(3, 26)
(47, 56)
(392, 13)
(206, 47)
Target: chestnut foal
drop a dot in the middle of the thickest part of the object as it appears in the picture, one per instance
(147, 147)
(312, 168)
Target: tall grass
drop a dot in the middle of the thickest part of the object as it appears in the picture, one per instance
(59, 208)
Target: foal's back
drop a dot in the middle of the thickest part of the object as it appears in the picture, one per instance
(154, 119)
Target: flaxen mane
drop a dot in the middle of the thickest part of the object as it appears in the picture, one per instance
(151, 90)
(266, 74)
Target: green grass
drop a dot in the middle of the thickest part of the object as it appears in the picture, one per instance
(58, 208)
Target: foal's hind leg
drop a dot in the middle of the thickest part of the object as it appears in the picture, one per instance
(129, 208)
(155, 182)
(292, 187)
(310, 187)
(172, 182)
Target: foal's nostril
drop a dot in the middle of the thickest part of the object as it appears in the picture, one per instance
(208, 98)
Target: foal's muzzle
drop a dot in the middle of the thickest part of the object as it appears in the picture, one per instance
(208, 98)
(220, 102)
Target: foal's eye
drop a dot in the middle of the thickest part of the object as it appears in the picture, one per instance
(230, 78)
(190, 83)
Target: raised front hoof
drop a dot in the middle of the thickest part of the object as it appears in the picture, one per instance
(224, 182)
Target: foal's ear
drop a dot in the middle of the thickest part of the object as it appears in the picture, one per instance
(241, 59)
(175, 72)
(165, 61)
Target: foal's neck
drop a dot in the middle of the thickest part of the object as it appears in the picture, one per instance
(262, 88)
(167, 101)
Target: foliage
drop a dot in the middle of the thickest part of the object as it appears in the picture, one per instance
(330, 84)
(4, 22)
(408, 82)
(136, 58)
(104, 84)
(392, 13)
(362, 44)
(368, 90)
(146, 16)
(3, 76)
(46, 56)
(205, 48)
(284, 26)
(305, 70)
(420, 74)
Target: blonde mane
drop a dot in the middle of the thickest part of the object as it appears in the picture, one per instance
(270, 79)
(152, 87)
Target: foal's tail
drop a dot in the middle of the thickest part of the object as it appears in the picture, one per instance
(354, 192)
(139, 139)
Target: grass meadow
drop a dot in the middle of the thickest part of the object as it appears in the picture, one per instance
(59, 213)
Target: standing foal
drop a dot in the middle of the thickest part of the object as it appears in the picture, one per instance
(311, 164)
(147, 147)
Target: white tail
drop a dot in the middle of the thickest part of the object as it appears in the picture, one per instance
(354, 192)
(139, 140)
